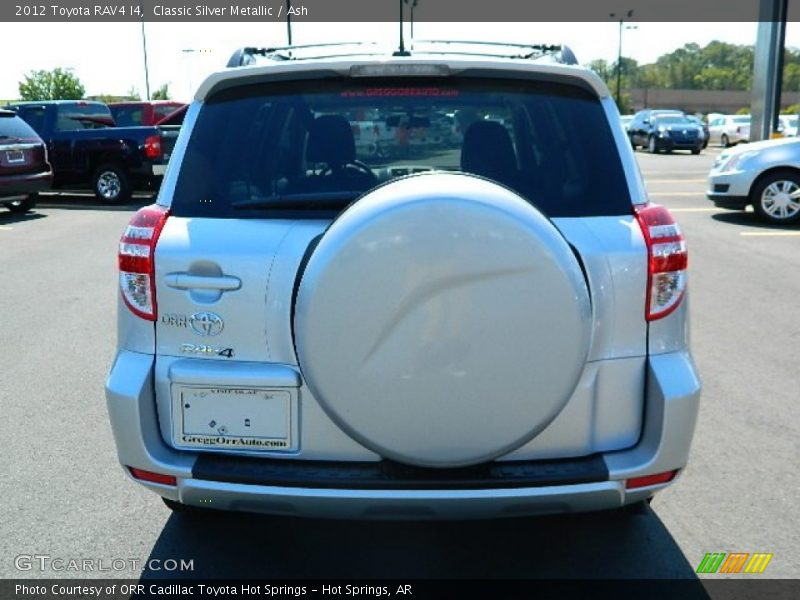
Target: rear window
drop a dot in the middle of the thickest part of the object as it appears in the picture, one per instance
(162, 110)
(741, 120)
(14, 128)
(83, 116)
(127, 116)
(311, 148)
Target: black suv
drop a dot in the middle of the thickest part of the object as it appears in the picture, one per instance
(665, 130)
(24, 168)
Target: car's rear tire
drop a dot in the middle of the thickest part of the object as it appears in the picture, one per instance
(652, 145)
(724, 141)
(774, 200)
(111, 185)
(696, 150)
(20, 207)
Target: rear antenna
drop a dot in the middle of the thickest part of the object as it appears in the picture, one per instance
(402, 50)
(289, 21)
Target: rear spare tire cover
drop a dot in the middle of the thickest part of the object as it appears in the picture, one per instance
(442, 320)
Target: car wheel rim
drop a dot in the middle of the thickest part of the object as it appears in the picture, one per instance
(108, 185)
(781, 199)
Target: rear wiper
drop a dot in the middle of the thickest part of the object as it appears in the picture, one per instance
(306, 200)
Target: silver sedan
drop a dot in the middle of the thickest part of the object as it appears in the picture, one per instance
(765, 175)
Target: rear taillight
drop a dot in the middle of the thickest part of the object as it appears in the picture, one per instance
(153, 477)
(137, 260)
(648, 480)
(152, 146)
(667, 260)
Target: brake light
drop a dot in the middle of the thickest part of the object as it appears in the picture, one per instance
(153, 477)
(137, 260)
(667, 260)
(152, 146)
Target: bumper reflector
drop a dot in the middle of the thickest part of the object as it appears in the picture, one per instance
(153, 477)
(640, 482)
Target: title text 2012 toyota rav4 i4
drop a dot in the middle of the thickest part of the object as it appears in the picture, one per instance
(492, 323)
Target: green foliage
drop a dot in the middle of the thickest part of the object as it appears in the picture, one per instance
(58, 84)
(133, 94)
(745, 110)
(162, 93)
(717, 66)
(792, 109)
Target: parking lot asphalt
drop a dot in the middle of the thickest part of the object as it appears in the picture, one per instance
(64, 494)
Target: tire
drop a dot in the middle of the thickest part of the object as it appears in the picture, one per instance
(111, 185)
(724, 141)
(20, 207)
(772, 197)
(696, 150)
(392, 327)
(652, 145)
(633, 145)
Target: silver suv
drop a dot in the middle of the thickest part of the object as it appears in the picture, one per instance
(486, 319)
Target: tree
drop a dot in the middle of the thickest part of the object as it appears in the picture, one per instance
(58, 84)
(162, 93)
(133, 93)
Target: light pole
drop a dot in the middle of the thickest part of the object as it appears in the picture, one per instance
(621, 19)
(144, 53)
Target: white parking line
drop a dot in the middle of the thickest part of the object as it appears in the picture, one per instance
(5, 228)
(646, 180)
(667, 194)
(770, 233)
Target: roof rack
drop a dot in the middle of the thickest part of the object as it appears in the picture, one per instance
(558, 53)
(247, 56)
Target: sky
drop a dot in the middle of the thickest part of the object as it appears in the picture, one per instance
(107, 57)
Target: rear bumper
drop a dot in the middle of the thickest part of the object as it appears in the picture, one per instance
(25, 184)
(673, 391)
(147, 175)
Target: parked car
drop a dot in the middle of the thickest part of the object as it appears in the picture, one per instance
(703, 125)
(665, 131)
(502, 335)
(764, 175)
(24, 168)
(86, 149)
(626, 120)
(132, 114)
(729, 130)
(787, 125)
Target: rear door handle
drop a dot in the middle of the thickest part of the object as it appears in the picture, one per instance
(187, 281)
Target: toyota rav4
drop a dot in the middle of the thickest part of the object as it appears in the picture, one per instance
(484, 324)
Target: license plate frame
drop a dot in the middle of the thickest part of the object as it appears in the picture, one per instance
(15, 157)
(234, 419)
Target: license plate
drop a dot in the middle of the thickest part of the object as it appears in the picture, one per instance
(15, 157)
(235, 419)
